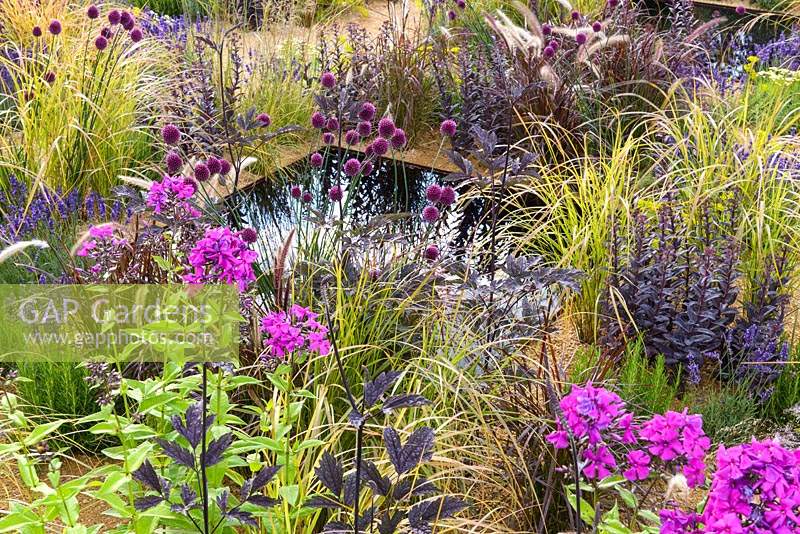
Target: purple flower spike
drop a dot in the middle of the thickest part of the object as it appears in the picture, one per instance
(264, 119)
(214, 165)
(114, 17)
(173, 161)
(386, 128)
(433, 193)
(55, 27)
(367, 111)
(430, 214)
(431, 253)
(37, 31)
(335, 193)
(399, 139)
(316, 159)
(448, 196)
(318, 120)
(328, 80)
(328, 138)
(364, 128)
(101, 42)
(171, 134)
(380, 146)
(201, 172)
(296, 192)
(352, 167)
(351, 137)
(136, 35)
(580, 38)
(448, 128)
(92, 12)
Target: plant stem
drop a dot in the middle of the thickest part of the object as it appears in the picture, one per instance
(203, 422)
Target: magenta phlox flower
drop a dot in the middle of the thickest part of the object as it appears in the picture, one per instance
(221, 256)
(296, 330)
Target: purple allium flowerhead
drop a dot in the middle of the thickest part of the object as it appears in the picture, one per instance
(92, 12)
(136, 35)
(173, 161)
(328, 138)
(328, 80)
(318, 120)
(332, 124)
(548, 52)
(101, 42)
(106, 32)
(214, 165)
(430, 213)
(296, 192)
(50, 77)
(126, 20)
(399, 139)
(201, 172)
(54, 27)
(367, 111)
(740, 10)
(264, 119)
(335, 193)
(351, 137)
(316, 159)
(380, 146)
(170, 134)
(369, 151)
(451, 15)
(431, 253)
(433, 192)
(448, 128)
(225, 166)
(575, 15)
(352, 166)
(613, 3)
(37, 31)
(448, 196)
(249, 235)
(386, 128)
(367, 168)
(546, 29)
(114, 17)
(597, 26)
(461, 4)
(364, 128)
(580, 38)
(554, 45)
(307, 197)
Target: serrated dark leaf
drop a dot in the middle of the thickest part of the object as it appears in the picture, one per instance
(411, 486)
(380, 484)
(330, 473)
(216, 449)
(374, 389)
(193, 428)
(403, 401)
(222, 501)
(264, 476)
(388, 523)
(418, 448)
(188, 495)
(243, 517)
(434, 510)
(350, 488)
(337, 527)
(147, 476)
(263, 501)
(321, 501)
(177, 453)
(145, 503)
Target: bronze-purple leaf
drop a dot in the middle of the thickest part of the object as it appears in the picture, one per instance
(330, 473)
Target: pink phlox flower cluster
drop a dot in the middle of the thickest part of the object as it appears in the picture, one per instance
(104, 246)
(677, 439)
(222, 256)
(595, 416)
(294, 331)
(171, 196)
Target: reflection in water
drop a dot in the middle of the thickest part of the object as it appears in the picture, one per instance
(392, 187)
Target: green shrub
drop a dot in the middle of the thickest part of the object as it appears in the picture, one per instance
(647, 388)
(786, 393)
(724, 411)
